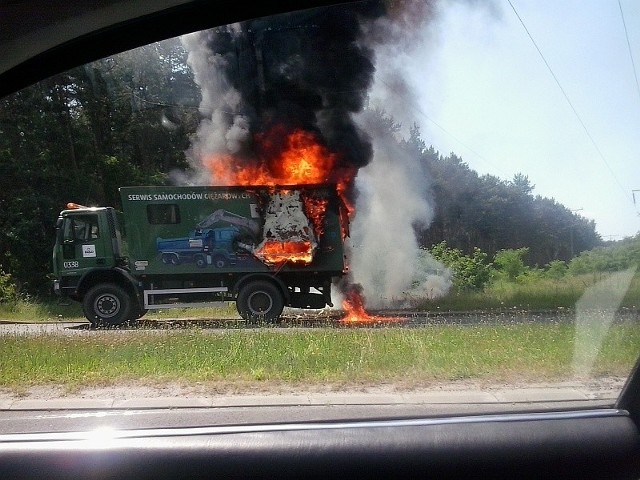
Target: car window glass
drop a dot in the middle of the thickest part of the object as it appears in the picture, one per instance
(481, 227)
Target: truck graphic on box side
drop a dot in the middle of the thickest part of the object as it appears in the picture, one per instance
(210, 243)
(210, 247)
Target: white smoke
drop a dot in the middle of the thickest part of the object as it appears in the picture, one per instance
(222, 129)
(385, 256)
(393, 190)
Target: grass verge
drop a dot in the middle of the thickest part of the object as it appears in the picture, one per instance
(408, 357)
(529, 295)
(48, 310)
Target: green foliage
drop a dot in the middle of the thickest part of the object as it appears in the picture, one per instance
(558, 286)
(484, 211)
(510, 263)
(469, 271)
(556, 269)
(8, 289)
(521, 182)
(611, 258)
(82, 134)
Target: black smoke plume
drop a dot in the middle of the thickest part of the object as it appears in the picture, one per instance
(309, 70)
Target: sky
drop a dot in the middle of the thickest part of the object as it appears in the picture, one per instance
(573, 127)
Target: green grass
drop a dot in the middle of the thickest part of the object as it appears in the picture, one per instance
(52, 310)
(409, 357)
(531, 295)
(47, 310)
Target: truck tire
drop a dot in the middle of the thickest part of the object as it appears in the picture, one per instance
(107, 304)
(260, 300)
(201, 260)
(219, 261)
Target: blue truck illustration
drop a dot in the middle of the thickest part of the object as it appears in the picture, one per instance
(204, 247)
(219, 246)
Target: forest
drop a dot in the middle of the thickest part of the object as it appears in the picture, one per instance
(128, 120)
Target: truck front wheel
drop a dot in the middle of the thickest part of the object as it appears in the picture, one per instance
(107, 304)
(260, 300)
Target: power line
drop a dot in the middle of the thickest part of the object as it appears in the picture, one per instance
(626, 34)
(414, 106)
(575, 112)
(481, 157)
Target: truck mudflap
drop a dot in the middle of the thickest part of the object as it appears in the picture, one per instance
(307, 300)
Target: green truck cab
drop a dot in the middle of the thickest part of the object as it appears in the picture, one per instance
(263, 247)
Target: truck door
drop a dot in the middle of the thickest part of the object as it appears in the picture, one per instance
(84, 242)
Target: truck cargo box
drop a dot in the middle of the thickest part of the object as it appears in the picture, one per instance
(175, 230)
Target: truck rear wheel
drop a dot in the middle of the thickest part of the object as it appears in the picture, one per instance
(260, 300)
(219, 261)
(201, 260)
(107, 304)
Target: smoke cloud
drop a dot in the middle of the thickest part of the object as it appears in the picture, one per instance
(392, 200)
(306, 70)
(393, 189)
(317, 70)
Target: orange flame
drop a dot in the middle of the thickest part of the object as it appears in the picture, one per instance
(298, 160)
(289, 158)
(353, 305)
(314, 209)
(278, 252)
(294, 158)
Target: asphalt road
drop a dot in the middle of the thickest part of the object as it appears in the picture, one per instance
(398, 319)
(40, 421)
(51, 416)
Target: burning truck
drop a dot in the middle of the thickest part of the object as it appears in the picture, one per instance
(279, 99)
(264, 247)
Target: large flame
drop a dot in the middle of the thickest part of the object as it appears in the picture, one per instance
(284, 158)
(288, 159)
(294, 158)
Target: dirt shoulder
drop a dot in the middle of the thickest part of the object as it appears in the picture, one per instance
(592, 388)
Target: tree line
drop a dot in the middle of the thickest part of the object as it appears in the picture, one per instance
(78, 136)
(128, 119)
(484, 212)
